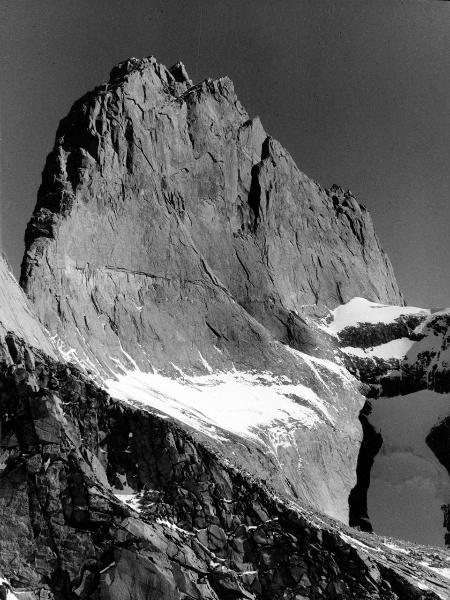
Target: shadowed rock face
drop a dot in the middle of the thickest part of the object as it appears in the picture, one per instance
(170, 223)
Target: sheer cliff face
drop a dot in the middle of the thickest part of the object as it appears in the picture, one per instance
(169, 224)
(173, 235)
(18, 316)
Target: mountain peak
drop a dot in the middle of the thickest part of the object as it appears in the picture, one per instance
(176, 74)
(190, 404)
(195, 198)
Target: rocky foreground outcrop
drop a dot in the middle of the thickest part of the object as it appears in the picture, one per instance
(193, 525)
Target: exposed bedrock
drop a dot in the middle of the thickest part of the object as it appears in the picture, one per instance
(173, 235)
(169, 224)
(426, 364)
(99, 500)
(367, 335)
(370, 446)
(176, 254)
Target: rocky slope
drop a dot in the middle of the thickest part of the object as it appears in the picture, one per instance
(101, 500)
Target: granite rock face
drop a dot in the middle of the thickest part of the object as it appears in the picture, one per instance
(173, 235)
(170, 224)
(17, 314)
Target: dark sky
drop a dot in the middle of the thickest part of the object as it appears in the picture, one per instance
(357, 90)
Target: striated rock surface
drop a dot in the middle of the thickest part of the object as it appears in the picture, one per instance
(170, 224)
(174, 237)
(17, 314)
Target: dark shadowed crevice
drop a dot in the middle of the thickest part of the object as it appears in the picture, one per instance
(370, 446)
(254, 198)
(438, 440)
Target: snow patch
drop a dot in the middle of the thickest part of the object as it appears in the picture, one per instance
(9, 593)
(360, 310)
(421, 585)
(442, 571)
(394, 349)
(131, 500)
(396, 548)
(315, 364)
(358, 543)
(240, 403)
(174, 527)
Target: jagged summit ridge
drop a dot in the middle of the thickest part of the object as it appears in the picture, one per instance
(175, 73)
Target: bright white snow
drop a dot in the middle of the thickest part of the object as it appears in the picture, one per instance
(396, 548)
(315, 363)
(9, 594)
(131, 500)
(394, 349)
(442, 571)
(237, 402)
(360, 310)
(354, 542)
